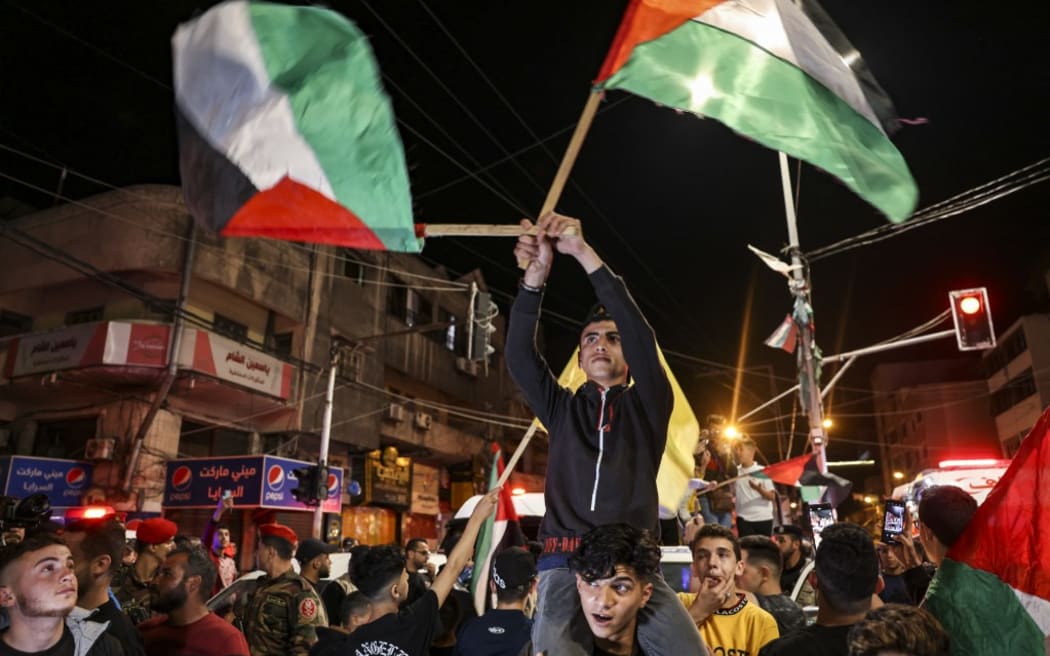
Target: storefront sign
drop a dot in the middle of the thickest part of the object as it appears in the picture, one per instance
(253, 481)
(425, 483)
(112, 343)
(233, 362)
(388, 479)
(63, 481)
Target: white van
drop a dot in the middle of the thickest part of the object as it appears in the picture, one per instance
(676, 562)
(976, 477)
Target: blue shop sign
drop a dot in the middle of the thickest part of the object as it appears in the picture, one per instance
(62, 481)
(256, 481)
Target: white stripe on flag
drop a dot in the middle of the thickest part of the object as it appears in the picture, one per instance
(1038, 609)
(782, 29)
(224, 90)
(483, 569)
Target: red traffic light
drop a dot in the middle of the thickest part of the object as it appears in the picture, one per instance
(970, 304)
(972, 318)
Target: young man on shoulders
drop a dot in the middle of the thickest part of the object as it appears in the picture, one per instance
(606, 439)
(728, 621)
(381, 575)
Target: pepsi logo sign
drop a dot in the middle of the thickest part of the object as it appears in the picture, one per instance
(275, 477)
(76, 477)
(333, 485)
(181, 478)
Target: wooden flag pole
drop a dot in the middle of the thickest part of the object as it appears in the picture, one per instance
(553, 195)
(475, 230)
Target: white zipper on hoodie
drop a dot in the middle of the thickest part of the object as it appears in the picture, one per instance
(601, 449)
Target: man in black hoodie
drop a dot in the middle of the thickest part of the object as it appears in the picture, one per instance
(606, 439)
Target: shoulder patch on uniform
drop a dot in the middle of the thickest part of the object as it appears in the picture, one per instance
(307, 608)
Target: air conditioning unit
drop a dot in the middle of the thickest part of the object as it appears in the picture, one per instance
(423, 421)
(395, 412)
(99, 448)
(467, 366)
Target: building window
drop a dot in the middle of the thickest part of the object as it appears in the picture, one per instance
(351, 364)
(66, 438)
(447, 336)
(282, 343)
(204, 441)
(353, 270)
(1013, 392)
(230, 328)
(162, 308)
(418, 310)
(88, 315)
(396, 299)
(12, 323)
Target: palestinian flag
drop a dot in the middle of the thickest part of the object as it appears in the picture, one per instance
(803, 471)
(683, 432)
(992, 592)
(499, 532)
(285, 131)
(778, 72)
(785, 336)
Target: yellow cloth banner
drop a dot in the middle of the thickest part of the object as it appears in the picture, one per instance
(683, 432)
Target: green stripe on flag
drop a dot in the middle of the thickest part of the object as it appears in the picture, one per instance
(703, 69)
(981, 614)
(325, 66)
(479, 581)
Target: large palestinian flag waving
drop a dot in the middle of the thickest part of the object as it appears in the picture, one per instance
(999, 570)
(285, 131)
(778, 72)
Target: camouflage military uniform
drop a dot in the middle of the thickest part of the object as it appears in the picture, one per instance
(133, 595)
(282, 617)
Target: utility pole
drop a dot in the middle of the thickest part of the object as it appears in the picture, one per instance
(800, 288)
(326, 433)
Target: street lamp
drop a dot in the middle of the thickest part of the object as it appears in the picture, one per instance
(869, 499)
(898, 476)
(827, 423)
(731, 432)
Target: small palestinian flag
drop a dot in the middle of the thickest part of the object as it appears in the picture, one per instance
(803, 471)
(285, 131)
(499, 532)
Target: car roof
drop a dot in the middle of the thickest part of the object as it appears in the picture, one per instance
(526, 505)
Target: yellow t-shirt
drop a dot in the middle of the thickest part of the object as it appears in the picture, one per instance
(738, 631)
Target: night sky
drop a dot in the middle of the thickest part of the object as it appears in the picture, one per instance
(669, 200)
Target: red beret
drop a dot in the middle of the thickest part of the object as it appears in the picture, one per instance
(279, 531)
(156, 530)
(133, 525)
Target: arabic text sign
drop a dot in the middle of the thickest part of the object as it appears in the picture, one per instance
(265, 481)
(200, 482)
(227, 360)
(63, 481)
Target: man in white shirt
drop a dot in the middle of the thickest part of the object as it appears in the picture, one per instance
(754, 496)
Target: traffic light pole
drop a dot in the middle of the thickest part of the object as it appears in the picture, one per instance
(326, 434)
(800, 288)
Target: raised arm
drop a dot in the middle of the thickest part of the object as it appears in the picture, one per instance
(464, 549)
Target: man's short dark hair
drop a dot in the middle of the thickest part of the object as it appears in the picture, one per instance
(412, 544)
(603, 548)
(101, 538)
(377, 569)
(762, 549)
(198, 563)
(899, 629)
(355, 603)
(946, 510)
(847, 567)
(715, 531)
(283, 547)
(34, 541)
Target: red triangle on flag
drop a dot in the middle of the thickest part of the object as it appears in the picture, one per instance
(788, 471)
(1009, 536)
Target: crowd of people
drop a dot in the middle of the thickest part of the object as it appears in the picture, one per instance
(592, 584)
